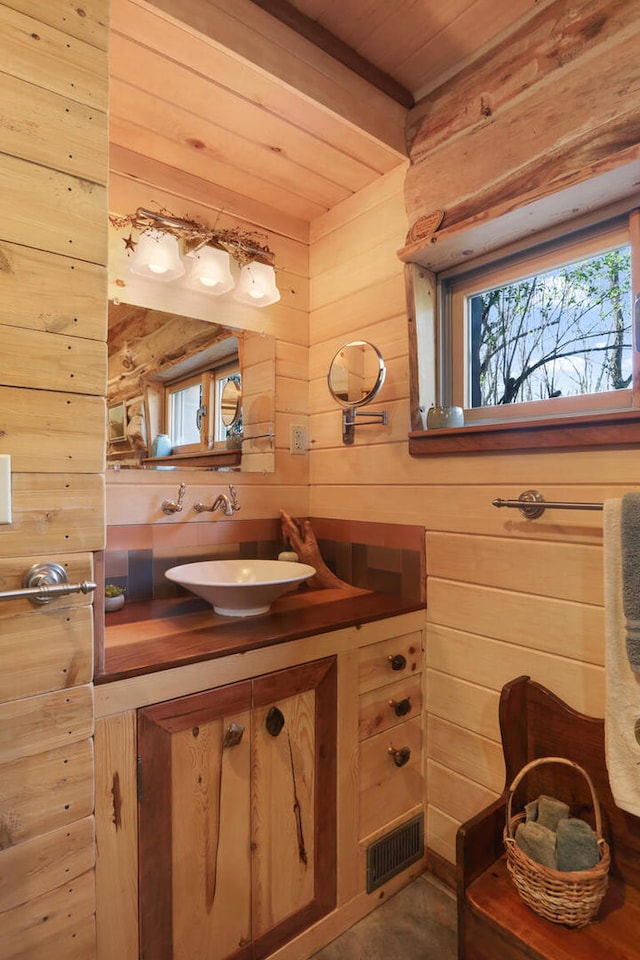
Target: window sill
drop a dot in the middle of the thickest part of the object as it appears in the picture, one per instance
(199, 458)
(621, 428)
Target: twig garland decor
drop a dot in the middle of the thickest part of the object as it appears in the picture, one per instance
(242, 246)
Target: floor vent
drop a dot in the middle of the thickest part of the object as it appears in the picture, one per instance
(391, 854)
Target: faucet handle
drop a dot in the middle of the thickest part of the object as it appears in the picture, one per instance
(233, 498)
(175, 506)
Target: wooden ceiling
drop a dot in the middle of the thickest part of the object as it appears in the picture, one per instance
(273, 112)
(416, 43)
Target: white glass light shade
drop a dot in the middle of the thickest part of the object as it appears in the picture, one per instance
(210, 271)
(257, 285)
(157, 257)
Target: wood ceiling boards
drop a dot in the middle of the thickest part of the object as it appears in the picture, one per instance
(270, 111)
(417, 43)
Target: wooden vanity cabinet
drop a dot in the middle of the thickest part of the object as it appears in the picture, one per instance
(261, 847)
(237, 815)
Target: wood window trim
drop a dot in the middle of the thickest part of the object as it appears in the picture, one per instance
(204, 379)
(616, 428)
(190, 455)
(199, 458)
(584, 430)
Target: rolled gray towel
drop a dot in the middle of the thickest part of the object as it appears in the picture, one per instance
(576, 845)
(531, 810)
(551, 811)
(632, 644)
(538, 842)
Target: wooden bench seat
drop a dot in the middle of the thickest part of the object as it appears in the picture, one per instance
(493, 900)
(493, 922)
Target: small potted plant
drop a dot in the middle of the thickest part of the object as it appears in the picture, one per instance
(113, 597)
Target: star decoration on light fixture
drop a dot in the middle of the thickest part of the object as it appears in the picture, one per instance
(129, 243)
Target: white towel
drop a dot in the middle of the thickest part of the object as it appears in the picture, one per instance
(630, 541)
(622, 685)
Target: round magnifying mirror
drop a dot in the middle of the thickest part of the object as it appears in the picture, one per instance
(356, 374)
(230, 403)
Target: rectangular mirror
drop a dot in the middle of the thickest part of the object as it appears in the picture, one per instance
(166, 378)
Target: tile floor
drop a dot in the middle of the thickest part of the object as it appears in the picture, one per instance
(418, 923)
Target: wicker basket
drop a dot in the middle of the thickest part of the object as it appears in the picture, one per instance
(571, 898)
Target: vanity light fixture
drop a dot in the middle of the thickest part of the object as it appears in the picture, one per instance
(210, 271)
(257, 285)
(157, 257)
(212, 261)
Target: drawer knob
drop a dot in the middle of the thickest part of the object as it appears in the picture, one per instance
(397, 661)
(401, 707)
(401, 756)
(274, 721)
(233, 735)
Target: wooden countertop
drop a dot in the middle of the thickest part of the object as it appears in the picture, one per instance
(153, 635)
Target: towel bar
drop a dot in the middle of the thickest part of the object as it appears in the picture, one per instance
(257, 436)
(532, 504)
(44, 581)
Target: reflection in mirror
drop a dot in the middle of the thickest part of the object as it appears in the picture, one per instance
(208, 387)
(356, 374)
(116, 414)
(355, 377)
(231, 403)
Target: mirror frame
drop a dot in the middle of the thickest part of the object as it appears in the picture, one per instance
(375, 389)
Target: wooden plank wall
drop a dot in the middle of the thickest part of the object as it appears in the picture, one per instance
(506, 596)
(53, 254)
(552, 105)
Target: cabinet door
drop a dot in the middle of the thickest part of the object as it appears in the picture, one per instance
(293, 801)
(194, 827)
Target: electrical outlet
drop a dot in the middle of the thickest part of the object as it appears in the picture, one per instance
(297, 438)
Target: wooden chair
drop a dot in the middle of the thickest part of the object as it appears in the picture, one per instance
(493, 922)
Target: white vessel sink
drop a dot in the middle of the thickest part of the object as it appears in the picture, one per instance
(240, 588)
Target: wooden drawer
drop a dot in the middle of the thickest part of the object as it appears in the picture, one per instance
(386, 790)
(382, 708)
(389, 660)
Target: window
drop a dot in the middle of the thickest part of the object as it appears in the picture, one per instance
(544, 333)
(187, 405)
(192, 409)
(537, 342)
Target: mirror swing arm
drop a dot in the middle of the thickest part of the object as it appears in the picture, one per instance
(355, 377)
(349, 421)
